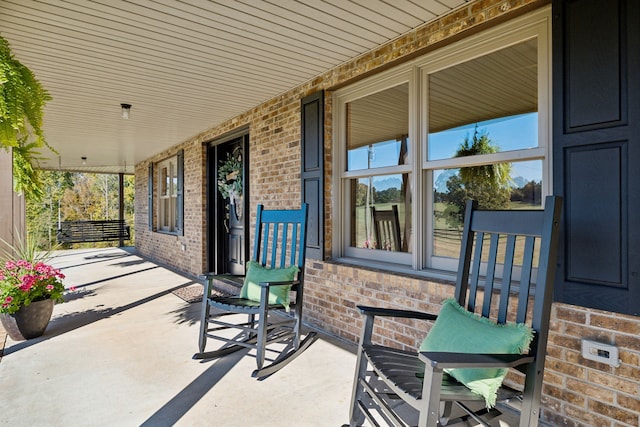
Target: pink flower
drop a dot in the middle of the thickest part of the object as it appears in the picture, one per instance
(24, 264)
(72, 288)
(26, 281)
(29, 280)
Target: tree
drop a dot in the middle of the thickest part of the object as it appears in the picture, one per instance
(70, 196)
(532, 193)
(42, 214)
(488, 184)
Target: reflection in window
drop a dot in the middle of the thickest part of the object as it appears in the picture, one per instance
(488, 107)
(378, 126)
(497, 92)
(506, 134)
(465, 121)
(520, 188)
(377, 137)
(386, 196)
(378, 155)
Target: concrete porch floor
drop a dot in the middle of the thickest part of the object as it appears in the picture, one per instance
(118, 353)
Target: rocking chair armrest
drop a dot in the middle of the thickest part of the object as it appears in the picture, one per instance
(446, 360)
(392, 312)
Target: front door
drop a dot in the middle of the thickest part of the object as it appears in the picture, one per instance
(227, 195)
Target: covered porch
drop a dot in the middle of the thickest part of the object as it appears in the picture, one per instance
(120, 349)
(118, 352)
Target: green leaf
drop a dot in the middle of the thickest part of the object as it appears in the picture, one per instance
(22, 101)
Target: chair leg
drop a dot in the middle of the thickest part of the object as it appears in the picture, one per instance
(430, 402)
(530, 411)
(251, 322)
(204, 316)
(356, 417)
(297, 327)
(446, 413)
(263, 327)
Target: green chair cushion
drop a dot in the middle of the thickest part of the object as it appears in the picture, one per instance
(257, 273)
(460, 331)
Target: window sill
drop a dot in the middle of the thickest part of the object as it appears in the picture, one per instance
(442, 276)
(169, 233)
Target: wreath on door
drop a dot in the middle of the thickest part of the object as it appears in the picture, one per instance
(230, 181)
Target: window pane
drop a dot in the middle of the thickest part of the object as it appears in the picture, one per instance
(522, 189)
(164, 181)
(381, 154)
(174, 214)
(378, 129)
(174, 179)
(389, 196)
(166, 214)
(506, 134)
(495, 95)
(167, 195)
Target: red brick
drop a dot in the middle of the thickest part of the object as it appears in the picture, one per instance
(613, 412)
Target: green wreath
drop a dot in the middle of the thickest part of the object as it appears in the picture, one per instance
(230, 176)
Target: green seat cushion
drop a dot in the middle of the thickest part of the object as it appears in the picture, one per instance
(257, 273)
(460, 331)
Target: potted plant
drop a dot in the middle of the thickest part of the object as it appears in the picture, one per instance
(29, 288)
(22, 100)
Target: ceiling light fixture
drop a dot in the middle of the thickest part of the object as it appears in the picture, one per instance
(126, 109)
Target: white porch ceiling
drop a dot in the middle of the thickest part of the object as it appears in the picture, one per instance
(184, 66)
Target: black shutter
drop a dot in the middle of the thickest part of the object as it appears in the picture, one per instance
(596, 148)
(180, 195)
(312, 173)
(150, 197)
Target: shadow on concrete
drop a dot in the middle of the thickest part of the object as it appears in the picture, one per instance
(72, 321)
(179, 405)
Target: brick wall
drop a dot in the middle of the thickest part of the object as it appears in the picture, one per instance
(583, 392)
(168, 248)
(577, 392)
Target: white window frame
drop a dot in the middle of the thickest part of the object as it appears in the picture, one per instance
(171, 164)
(384, 81)
(533, 25)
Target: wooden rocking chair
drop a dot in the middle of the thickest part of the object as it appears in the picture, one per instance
(391, 383)
(277, 264)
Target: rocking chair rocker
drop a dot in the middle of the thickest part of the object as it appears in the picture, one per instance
(277, 265)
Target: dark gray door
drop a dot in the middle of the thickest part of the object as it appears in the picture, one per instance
(228, 206)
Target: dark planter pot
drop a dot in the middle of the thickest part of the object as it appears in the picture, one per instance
(28, 322)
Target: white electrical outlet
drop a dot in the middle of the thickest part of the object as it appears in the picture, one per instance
(600, 352)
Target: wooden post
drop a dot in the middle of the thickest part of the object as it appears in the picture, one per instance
(121, 202)
(12, 205)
